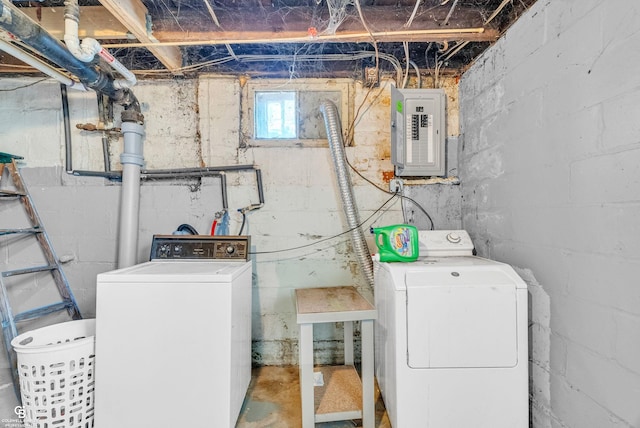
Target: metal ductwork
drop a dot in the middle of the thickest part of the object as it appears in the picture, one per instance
(336, 146)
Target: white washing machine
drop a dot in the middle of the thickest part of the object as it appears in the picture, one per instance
(451, 346)
(173, 336)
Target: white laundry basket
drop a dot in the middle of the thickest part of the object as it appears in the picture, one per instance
(56, 371)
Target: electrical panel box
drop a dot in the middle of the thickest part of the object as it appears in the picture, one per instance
(418, 132)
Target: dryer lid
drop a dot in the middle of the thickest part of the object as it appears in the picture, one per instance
(458, 319)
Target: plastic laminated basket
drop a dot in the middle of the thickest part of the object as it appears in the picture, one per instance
(56, 372)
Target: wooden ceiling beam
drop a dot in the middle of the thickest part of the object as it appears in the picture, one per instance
(191, 25)
(127, 19)
(133, 15)
(95, 22)
(412, 36)
(9, 64)
(113, 21)
(298, 24)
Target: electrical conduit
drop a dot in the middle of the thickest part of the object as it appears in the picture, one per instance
(336, 146)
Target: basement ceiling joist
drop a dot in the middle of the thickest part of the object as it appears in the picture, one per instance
(133, 15)
(387, 25)
(181, 36)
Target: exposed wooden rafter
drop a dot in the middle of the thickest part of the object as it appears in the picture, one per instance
(265, 25)
(126, 24)
(250, 27)
(96, 22)
(133, 15)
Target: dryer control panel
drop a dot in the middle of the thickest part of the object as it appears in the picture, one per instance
(443, 243)
(200, 247)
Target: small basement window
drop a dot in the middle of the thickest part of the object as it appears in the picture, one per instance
(277, 114)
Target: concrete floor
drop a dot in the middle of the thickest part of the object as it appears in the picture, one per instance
(273, 401)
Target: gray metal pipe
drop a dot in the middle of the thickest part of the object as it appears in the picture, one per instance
(259, 184)
(223, 186)
(67, 128)
(205, 169)
(336, 146)
(105, 114)
(132, 161)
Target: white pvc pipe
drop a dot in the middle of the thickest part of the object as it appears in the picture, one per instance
(129, 78)
(89, 48)
(85, 52)
(132, 161)
(39, 65)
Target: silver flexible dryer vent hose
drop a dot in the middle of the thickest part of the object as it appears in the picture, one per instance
(336, 146)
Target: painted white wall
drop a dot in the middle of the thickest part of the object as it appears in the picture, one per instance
(193, 123)
(550, 173)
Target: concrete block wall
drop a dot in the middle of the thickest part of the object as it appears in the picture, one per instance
(549, 162)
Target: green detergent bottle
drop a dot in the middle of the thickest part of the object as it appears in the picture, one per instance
(397, 243)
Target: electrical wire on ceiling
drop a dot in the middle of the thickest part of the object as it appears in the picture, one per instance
(366, 27)
(405, 45)
(453, 6)
(214, 17)
(413, 14)
(497, 11)
(355, 56)
(178, 24)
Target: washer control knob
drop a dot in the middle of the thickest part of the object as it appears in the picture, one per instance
(165, 250)
(230, 249)
(454, 238)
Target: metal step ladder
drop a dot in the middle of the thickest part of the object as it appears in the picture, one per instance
(52, 265)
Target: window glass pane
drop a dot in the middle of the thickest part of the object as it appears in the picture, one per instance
(275, 115)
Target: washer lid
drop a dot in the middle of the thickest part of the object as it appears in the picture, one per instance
(177, 271)
(458, 319)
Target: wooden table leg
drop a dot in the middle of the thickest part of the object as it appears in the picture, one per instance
(348, 343)
(368, 401)
(305, 352)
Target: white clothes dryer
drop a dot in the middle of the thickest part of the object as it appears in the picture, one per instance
(451, 347)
